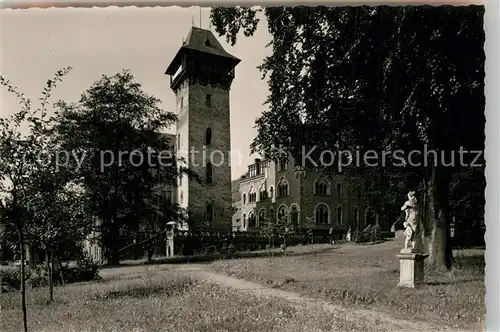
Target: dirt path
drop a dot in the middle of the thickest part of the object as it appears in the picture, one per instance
(203, 272)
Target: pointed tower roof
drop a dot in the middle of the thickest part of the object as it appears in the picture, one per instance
(202, 41)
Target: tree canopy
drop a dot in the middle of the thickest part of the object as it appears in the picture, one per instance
(116, 129)
(374, 78)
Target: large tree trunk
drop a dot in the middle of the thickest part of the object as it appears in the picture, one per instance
(111, 241)
(114, 256)
(23, 280)
(439, 245)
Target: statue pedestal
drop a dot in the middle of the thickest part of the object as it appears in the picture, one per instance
(411, 268)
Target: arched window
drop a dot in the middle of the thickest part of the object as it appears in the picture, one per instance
(283, 163)
(209, 171)
(252, 222)
(294, 215)
(322, 214)
(282, 213)
(210, 214)
(244, 221)
(262, 193)
(244, 198)
(339, 190)
(322, 187)
(271, 214)
(208, 136)
(252, 195)
(271, 191)
(340, 222)
(262, 217)
(282, 188)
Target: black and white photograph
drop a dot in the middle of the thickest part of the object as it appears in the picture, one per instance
(243, 169)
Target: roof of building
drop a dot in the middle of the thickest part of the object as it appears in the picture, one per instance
(200, 40)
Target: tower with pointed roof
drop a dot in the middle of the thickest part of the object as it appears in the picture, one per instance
(201, 74)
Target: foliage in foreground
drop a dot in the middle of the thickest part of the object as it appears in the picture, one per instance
(153, 301)
(37, 276)
(366, 277)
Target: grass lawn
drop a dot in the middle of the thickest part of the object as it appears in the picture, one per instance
(365, 276)
(156, 298)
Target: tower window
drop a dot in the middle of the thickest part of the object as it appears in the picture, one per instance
(209, 171)
(208, 136)
(178, 141)
(169, 197)
(208, 100)
(339, 190)
(182, 102)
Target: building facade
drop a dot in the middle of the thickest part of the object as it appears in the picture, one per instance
(201, 76)
(236, 219)
(316, 200)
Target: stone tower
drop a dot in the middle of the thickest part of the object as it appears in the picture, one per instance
(201, 74)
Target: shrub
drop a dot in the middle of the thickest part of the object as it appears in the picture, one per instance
(37, 276)
(85, 270)
(10, 279)
(369, 234)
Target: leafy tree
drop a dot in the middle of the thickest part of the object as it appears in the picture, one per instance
(60, 218)
(115, 123)
(20, 164)
(374, 78)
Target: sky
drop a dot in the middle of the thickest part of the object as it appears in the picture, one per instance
(35, 43)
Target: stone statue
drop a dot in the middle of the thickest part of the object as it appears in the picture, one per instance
(411, 222)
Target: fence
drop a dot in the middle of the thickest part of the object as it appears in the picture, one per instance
(189, 243)
(193, 242)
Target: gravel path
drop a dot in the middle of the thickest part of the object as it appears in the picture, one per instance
(203, 272)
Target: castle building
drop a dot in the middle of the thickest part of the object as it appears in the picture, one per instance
(275, 190)
(201, 74)
(236, 219)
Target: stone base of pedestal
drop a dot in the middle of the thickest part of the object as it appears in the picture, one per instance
(411, 268)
